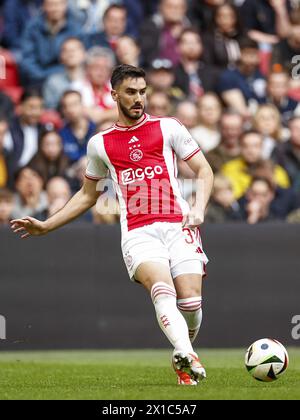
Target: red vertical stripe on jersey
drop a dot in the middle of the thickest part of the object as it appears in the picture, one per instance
(151, 144)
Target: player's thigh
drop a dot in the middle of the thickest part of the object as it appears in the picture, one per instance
(150, 273)
(188, 285)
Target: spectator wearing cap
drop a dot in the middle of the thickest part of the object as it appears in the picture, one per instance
(159, 35)
(192, 76)
(30, 198)
(78, 128)
(161, 77)
(72, 76)
(278, 94)
(50, 160)
(222, 49)
(16, 15)
(240, 170)
(25, 129)
(288, 154)
(244, 87)
(43, 38)
(231, 129)
(114, 26)
(6, 206)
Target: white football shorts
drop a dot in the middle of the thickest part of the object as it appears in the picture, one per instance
(170, 244)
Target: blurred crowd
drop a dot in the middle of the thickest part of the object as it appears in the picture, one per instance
(229, 70)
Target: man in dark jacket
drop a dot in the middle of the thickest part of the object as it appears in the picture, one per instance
(43, 39)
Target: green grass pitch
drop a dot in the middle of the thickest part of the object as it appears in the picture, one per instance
(134, 375)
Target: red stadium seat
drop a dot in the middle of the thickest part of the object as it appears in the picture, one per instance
(9, 76)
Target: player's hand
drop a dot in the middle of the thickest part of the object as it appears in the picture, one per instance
(28, 226)
(194, 219)
(278, 5)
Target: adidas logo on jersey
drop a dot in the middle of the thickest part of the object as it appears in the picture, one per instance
(133, 140)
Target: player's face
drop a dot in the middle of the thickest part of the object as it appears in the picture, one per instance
(130, 96)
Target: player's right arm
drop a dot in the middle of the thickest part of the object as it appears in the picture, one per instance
(83, 200)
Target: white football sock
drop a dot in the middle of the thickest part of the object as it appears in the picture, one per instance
(169, 317)
(191, 309)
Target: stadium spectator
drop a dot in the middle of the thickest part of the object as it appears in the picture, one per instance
(265, 19)
(114, 26)
(6, 206)
(78, 129)
(25, 129)
(192, 76)
(231, 129)
(128, 51)
(201, 12)
(207, 133)
(222, 48)
(159, 35)
(240, 170)
(72, 57)
(58, 194)
(6, 106)
(161, 77)
(267, 121)
(42, 41)
(50, 161)
(223, 206)
(259, 199)
(90, 13)
(244, 87)
(278, 94)
(16, 15)
(288, 154)
(4, 175)
(96, 93)
(76, 174)
(289, 46)
(30, 199)
(159, 104)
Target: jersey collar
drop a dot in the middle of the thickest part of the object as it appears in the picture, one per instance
(132, 127)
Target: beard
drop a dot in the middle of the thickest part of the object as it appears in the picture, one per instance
(128, 112)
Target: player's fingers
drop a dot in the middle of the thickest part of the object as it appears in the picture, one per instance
(25, 236)
(19, 230)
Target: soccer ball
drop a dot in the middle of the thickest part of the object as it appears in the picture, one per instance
(266, 360)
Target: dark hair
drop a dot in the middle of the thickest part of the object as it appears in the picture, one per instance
(114, 6)
(31, 93)
(238, 24)
(70, 92)
(125, 71)
(246, 42)
(19, 172)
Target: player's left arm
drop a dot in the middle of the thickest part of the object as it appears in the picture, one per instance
(205, 180)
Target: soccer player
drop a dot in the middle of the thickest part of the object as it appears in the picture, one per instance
(160, 234)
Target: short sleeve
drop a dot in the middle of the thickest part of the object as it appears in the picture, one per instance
(182, 141)
(96, 168)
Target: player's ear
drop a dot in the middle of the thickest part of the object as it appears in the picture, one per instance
(114, 95)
